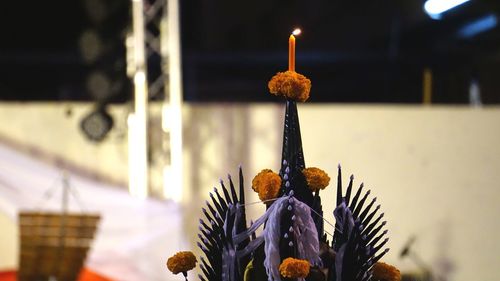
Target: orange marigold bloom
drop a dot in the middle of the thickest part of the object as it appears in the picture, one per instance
(290, 84)
(385, 272)
(256, 182)
(181, 262)
(267, 184)
(294, 268)
(316, 178)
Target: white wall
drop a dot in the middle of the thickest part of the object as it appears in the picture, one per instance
(433, 169)
(45, 129)
(8, 243)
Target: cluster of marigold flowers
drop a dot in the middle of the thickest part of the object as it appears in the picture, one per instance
(267, 183)
(290, 85)
(294, 268)
(385, 272)
(181, 262)
(316, 178)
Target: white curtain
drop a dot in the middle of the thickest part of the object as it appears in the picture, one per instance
(135, 237)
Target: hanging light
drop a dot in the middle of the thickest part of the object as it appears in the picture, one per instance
(97, 124)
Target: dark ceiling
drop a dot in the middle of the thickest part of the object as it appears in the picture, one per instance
(353, 51)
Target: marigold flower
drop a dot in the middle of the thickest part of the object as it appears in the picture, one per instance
(256, 182)
(290, 84)
(181, 262)
(267, 184)
(294, 268)
(316, 178)
(385, 272)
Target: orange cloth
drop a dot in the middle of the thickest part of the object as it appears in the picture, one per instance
(85, 275)
(88, 275)
(7, 276)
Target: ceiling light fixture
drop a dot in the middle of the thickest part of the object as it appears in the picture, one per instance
(435, 8)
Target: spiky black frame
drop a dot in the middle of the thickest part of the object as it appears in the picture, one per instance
(358, 239)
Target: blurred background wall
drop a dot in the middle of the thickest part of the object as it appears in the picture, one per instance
(433, 169)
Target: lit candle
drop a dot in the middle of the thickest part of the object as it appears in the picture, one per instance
(291, 50)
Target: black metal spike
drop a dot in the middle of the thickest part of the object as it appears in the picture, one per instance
(360, 205)
(217, 217)
(242, 223)
(373, 224)
(214, 262)
(221, 200)
(378, 247)
(349, 190)
(205, 250)
(226, 193)
(369, 236)
(208, 268)
(339, 186)
(377, 258)
(207, 215)
(356, 197)
(254, 236)
(318, 215)
(205, 241)
(376, 239)
(242, 187)
(217, 205)
(209, 229)
(233, 190)
(207, 236)
(367, 210)
(203, 268)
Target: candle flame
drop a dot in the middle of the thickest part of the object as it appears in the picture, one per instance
(296, 31)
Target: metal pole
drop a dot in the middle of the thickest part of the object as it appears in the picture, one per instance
(427, 86)
(138, 129)
(172, 107)
(65, 193)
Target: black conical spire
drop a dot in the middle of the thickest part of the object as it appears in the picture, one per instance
(292, 161)
(293, 181)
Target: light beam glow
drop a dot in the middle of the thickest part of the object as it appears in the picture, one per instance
(434, 8)
(477, 26)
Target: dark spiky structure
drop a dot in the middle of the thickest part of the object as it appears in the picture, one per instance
(294, 182)
(235, 253)
(318, 217)
(358, 238)
(292, 159)
(215, 238)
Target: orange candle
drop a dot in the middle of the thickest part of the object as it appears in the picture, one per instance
(291, 50)
(291, 53)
